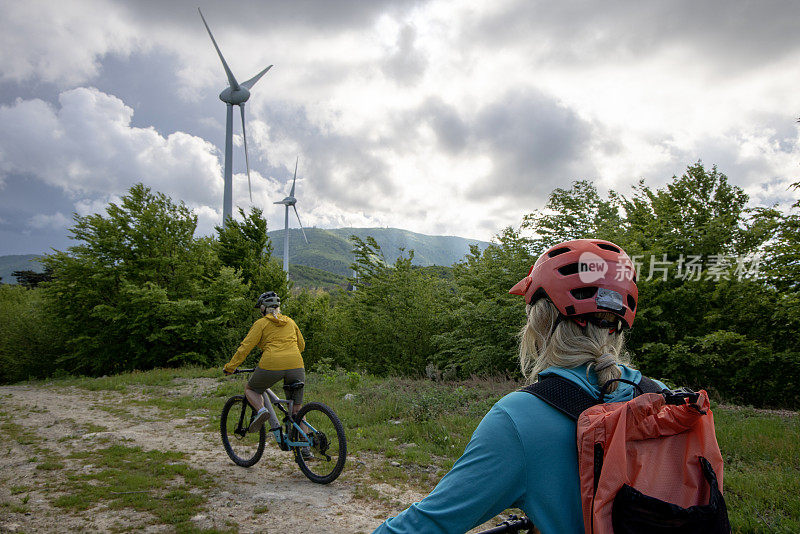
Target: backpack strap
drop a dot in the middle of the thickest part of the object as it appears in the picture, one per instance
(570, 399)
(562, 394)
(649, 386)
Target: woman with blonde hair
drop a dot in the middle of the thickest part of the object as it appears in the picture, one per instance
(580, 298)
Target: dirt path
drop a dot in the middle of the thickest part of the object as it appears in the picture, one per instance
(274, 487)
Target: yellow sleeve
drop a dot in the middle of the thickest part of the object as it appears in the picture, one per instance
(301, 343)
(248, 343)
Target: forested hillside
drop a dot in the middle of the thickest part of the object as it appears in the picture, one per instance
(719, 297)
(331, 249)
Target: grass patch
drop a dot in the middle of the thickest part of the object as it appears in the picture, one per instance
(120, 382)
(12, 507)
(49, 465)
(16, 432)
(762, 469)
(156, 482)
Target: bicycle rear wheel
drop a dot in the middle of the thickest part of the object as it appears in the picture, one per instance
(328, 444)
(244, 448)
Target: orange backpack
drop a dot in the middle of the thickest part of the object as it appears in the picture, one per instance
(648, 465)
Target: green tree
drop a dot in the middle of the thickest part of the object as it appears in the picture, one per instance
(782, 250)
(245, 247)
(486, 317)
(139, 291)
(26, 344)
(576, 213)
(388, 323)
(31, 279)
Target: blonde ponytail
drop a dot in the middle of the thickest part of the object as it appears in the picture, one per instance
(545, 342)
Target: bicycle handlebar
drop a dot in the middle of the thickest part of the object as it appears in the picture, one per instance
(237, 371)
(512, 524)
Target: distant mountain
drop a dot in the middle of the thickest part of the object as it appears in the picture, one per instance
(328, 254)
(18, 262)
(331, 250)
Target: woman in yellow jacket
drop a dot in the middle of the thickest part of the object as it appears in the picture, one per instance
(281, 344)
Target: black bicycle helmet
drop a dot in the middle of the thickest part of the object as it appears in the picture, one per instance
(270, 299)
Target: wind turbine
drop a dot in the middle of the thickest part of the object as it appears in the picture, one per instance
(236, 94)
(290, 201)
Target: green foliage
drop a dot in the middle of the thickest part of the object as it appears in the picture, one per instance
(388, 323)
(31, 279)
(245, 247)
(782, 252)
(140, 291)
(26, 344)
(698, 213)
(575, 213)
(732, 334)
(486, 317)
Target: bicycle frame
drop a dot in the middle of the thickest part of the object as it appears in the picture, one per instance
(270, 399)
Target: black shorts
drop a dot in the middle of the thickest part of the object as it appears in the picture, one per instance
(262, 379)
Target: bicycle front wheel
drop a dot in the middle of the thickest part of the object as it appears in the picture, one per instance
(328, 445)
(244, 448)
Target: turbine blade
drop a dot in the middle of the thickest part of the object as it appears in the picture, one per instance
(246, 159)
(295, 176)
(301, 224)
(231, 80)
(252, 81)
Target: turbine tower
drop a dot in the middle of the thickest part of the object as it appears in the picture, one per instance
(236, 94)
(290, 201)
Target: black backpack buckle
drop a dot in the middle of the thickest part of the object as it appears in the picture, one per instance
(681, 396)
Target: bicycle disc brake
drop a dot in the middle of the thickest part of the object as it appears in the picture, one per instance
(321, 444)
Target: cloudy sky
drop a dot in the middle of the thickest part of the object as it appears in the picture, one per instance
(441, 117)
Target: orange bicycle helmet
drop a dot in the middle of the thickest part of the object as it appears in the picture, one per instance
(582, 278)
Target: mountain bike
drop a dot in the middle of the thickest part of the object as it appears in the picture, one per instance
(512, 524)
(315, 434)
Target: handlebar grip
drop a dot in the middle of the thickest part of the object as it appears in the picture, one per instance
(237, 371)
(512, 524)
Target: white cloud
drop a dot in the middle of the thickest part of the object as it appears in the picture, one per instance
(54, 221)
(88, 146)
(61, 42)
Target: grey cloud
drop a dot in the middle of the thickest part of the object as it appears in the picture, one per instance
(451, 129)
(536, 145)
(316, 15)
(730, 34)
(86, 145)
(341, 168)
(406, 64)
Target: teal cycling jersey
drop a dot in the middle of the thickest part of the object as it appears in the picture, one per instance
(522, 455)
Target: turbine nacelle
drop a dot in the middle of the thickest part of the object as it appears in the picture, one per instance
(234, 96)
(288, 201)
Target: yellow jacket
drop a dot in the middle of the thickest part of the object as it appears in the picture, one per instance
(279, 340)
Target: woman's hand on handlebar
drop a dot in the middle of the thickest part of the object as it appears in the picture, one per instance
(226, 372)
